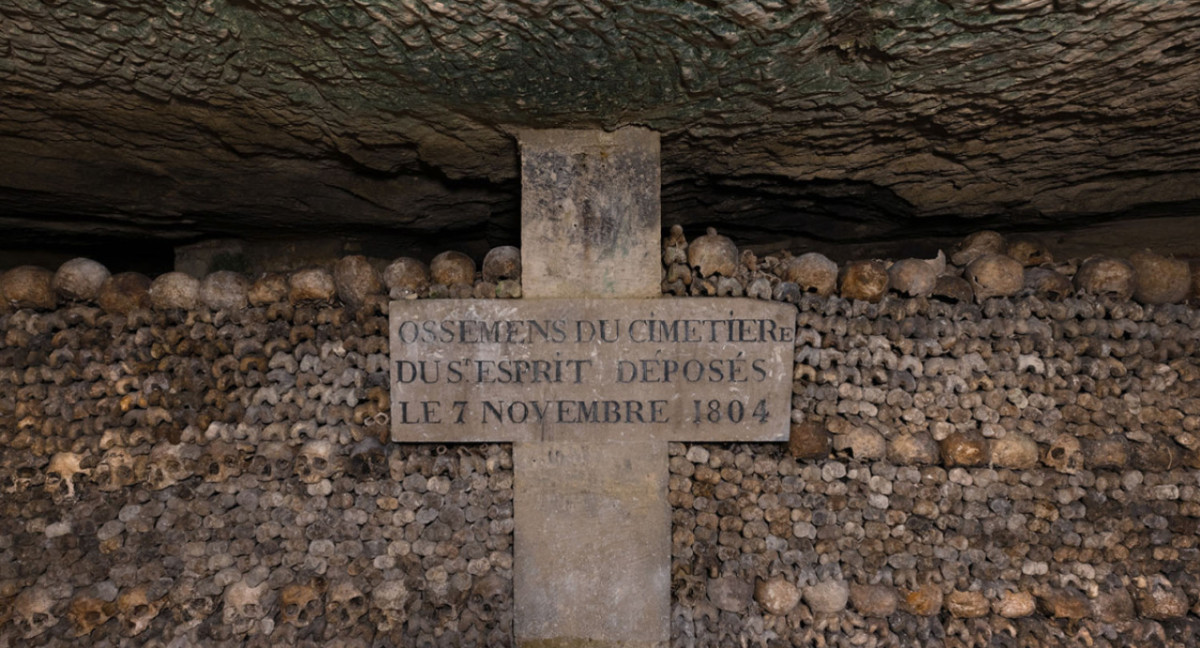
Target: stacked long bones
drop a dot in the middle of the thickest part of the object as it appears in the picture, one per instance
(266, 394)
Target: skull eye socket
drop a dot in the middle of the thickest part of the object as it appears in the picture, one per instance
(319, 463)
(292, 609)
(1057, 453)
(140, 610)
(214, 468)
(92, 616)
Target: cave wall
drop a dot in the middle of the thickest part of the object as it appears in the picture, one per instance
(1022, 472)
(182, 121)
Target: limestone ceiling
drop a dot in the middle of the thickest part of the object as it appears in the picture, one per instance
(832, 120)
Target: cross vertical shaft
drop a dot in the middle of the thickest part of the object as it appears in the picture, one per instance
(592, 538)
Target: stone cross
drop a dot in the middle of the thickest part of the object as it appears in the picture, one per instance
(590, 375)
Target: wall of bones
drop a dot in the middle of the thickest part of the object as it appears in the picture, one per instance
(990, 449)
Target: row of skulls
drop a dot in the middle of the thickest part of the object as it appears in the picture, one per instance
(246, 609)
(356, 281)
(167, 464)
(984, 265)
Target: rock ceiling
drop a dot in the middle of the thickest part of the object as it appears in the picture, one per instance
(835, 121)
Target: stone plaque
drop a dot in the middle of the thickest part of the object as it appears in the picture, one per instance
(553, 370)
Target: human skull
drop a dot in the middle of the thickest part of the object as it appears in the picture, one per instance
(220, 462)
(33, 612)
(28, 287)
(976, 245)
(713, 254)
(168, 465)
(356, 280)
(315, 461)
(61, 474)
(953, 289)
(502, 262)
(189, 604)
(1159, 279)
(311, 285)
(300, 604)
(1102, 275)
(245, 607)
(135, 610)
(1029, 251)
(80, 279)
(118, 469)
(269, 288)
(345, 606)
(995, 275)
(388, 598)
(124, 292)
(274, 460)
(1045, 282)
(487, 595)
(368, 460)
(86, 613)
(224, 290)
(813, 272)
(1065, 454)
(452, 268)
(864, 280)
(916, 277)
(21, 471)
(174, 290)
(406, 277)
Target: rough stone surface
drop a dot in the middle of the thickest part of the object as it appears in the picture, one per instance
(584, 193)
(187, 118)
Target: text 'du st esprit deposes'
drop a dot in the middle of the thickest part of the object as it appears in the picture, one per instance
(562, 369)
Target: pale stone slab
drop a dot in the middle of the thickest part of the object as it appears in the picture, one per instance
(590, 214)
(592, 546)
(591, 370)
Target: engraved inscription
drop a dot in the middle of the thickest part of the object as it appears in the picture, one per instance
(466, 370)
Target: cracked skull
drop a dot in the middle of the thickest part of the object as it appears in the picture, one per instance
(345, 606)
(1065, 455)
(86, 613)
(33, 612)
(299, 604)
(315, 461)
(119, 469)
(61, 474)
(245, 606)
(168, 465)
(220, 462)
(389, 599)
(273, 461)
(135, 610)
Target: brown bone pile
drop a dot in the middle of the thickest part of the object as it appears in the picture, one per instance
(202, 463)
(989, 449)
(985, 265)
